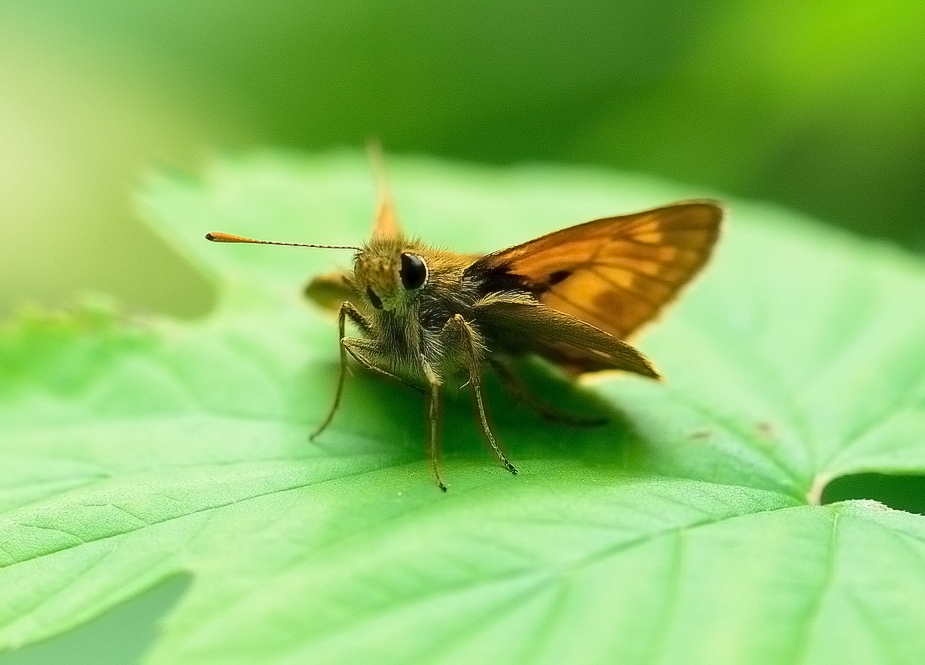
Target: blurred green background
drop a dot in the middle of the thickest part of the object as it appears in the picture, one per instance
(816, 105)
(819, 106)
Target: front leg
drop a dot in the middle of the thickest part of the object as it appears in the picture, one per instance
(456, 333)
(365, 351)
(346, 309)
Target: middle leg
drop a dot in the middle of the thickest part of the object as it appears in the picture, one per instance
(467, 336)
(521, 393)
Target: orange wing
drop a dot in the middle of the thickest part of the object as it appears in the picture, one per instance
(386, 224)
(614, 273)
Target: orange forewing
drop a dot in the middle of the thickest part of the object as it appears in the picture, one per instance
(386, 224)
(616, 273)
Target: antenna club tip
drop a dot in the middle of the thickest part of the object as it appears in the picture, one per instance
(226, 237)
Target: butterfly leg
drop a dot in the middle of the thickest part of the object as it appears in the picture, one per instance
(346, 309)
(522, 394)
(362, 349)
(458, 326)
(358, 348)
(434, 405)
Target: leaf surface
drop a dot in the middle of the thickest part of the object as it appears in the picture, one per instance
(687, 531)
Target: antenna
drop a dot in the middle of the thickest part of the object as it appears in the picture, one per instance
(227, 237)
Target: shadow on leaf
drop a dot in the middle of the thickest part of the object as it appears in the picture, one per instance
(377, 415)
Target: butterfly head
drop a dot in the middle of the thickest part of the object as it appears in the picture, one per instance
(389, 273)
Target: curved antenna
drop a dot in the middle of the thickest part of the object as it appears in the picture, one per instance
(227, 237)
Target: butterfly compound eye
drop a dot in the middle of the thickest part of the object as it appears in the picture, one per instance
(413, 271)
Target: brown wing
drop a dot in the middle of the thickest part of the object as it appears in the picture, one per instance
(520, 327)
(332, 289)
(386, 224)
(614, 273)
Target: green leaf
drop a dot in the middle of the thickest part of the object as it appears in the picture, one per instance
(688, 531)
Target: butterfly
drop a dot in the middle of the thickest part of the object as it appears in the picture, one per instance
(429, 317)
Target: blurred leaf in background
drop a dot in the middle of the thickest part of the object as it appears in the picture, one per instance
(820, 106)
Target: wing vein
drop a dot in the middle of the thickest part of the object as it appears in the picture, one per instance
(591, 313)
(673, 285)
(639, 295)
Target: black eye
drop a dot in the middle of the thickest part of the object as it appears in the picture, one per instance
(373, 298)
(413, 271)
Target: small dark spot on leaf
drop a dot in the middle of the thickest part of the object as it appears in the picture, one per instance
(765, 429)
(700, 434)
